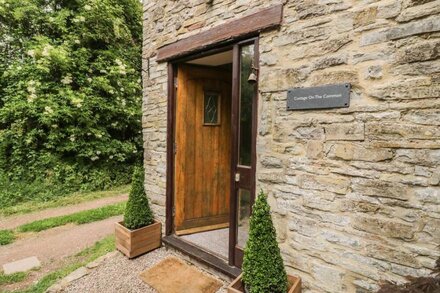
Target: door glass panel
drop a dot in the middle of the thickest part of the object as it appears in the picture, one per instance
(247, 91)
(244, 213)
(211, 109)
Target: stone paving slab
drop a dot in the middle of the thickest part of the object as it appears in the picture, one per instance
(22, 265)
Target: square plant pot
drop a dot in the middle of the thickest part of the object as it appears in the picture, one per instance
(133, 243)
(294, 285)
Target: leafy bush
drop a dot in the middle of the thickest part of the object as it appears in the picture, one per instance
(263, 268)
(70, 96)
(429, 284)
(138, 213)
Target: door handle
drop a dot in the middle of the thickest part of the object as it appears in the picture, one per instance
(237, 177)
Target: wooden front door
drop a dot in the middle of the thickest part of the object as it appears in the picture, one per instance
(202, 149)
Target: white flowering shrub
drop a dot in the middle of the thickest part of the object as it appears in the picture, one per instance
(70, 95)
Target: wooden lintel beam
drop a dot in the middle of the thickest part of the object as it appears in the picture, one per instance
(235, 29)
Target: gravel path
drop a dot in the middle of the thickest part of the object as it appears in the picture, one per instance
(15, 221)
(118, 274)
(57, 243)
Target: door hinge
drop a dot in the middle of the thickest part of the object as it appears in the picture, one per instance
(174, 211)
(175, 148)
(175, 82)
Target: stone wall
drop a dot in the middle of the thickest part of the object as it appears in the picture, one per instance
(355, 192)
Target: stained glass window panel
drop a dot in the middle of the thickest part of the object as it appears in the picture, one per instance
(211, 108)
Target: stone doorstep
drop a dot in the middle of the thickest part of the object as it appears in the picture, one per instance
(199, 265)
(22, 265)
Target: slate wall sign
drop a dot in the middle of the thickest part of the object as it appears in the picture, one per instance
(319, 97)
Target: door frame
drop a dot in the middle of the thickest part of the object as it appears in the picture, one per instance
(235, 254)
(171, 131)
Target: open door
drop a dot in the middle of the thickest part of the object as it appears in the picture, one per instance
(202, 149)
(214, 154)
(244, 121)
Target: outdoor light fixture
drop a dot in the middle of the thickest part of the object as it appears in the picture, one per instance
(253, 77)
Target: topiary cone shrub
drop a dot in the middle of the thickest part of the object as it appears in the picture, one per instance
(263, 268)
(138, 213)
(139, 232)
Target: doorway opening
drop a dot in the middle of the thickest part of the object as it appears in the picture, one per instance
(203, 152)
(212, 115)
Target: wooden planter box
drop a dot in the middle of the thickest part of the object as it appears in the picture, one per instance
(294, 285)
(133, 243)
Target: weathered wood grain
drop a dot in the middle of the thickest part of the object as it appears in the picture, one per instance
(294, 285)
(203, 157)
(236, 29)
(133, 243)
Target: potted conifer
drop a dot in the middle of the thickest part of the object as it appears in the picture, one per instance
(263, 268)
(139, 232)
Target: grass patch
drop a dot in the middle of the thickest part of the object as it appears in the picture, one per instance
(88, 255)
(84, 217)
(6, 237)
(70, 199)
(76, 218)
(11, 279)
(99, 249)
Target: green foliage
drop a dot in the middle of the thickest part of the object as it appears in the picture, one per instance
(13, 278)
(100, 248)
(6, 237)
(79, 218)
(263, 268)
(138, 213)
(70, 199)
(70, 96)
